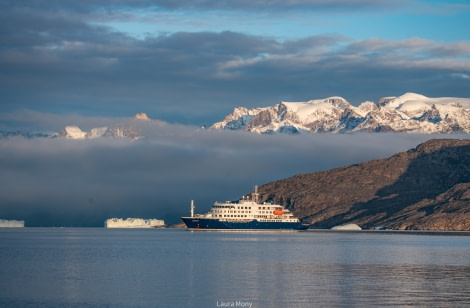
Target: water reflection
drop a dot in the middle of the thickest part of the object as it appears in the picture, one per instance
(174, 268)
(339, 270)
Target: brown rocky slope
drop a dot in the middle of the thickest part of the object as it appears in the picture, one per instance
(425, 188)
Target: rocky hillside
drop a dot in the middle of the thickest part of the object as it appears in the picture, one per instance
(425, 188)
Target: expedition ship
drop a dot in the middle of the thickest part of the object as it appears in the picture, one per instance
(244, 214)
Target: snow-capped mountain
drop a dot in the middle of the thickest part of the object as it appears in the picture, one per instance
(124, 131)
(74, 132)
(128, 128)
(408, 113)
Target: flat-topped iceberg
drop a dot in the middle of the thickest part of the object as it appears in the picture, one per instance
(133, 223)
(11, 223)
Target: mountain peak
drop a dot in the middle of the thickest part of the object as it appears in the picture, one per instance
(412, 96)
(142, 116)
(434, 145)
(72, 132)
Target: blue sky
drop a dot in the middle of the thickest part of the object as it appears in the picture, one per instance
(192, 62)
(394, 21)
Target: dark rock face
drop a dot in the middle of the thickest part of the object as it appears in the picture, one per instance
(261, 119)
(426, 188)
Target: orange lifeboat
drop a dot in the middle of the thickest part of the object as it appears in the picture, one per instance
(278, 212)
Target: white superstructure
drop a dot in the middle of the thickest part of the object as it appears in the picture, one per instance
(248, 209)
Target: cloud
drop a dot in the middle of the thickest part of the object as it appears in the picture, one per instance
(87, 6)
(32, 120)
(461, 76)
(207, 70)
(61, 182)
(54, 58)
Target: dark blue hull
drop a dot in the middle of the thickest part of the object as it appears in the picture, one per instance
(200, 223)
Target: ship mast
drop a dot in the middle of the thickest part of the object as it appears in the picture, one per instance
(192, 208)
(256, 194)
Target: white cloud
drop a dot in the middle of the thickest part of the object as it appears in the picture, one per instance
(461, 76)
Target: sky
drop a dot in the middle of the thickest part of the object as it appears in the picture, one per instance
(95, 63)
(192, 62)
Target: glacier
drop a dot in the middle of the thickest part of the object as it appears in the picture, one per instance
(11, 223)
(133, 223)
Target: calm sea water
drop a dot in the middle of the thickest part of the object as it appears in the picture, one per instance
(177, 268)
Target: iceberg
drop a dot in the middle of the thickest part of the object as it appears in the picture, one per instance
(347, 227)
(11, 223)
(133, 223)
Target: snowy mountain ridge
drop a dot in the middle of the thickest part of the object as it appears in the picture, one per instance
(123, 131)
(129, 129)
(409, 113)
(74, 132)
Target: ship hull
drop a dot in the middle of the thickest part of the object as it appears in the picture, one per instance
(199, 223)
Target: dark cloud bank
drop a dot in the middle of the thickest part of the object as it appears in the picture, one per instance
(60, 182)
(57, 57)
